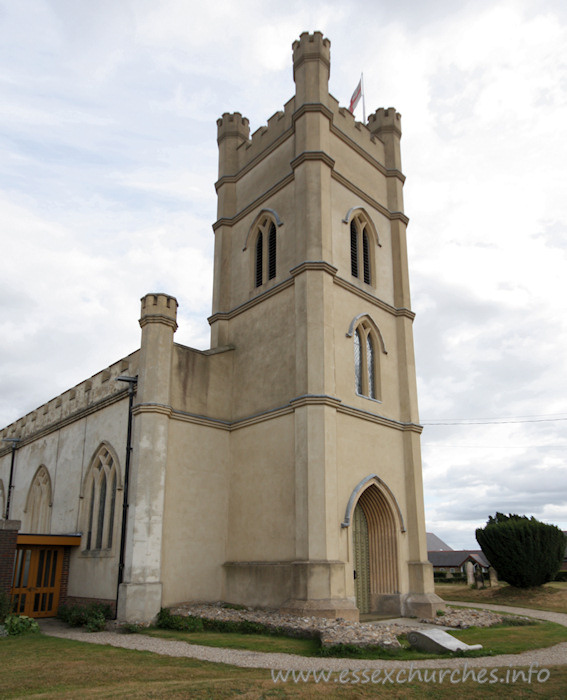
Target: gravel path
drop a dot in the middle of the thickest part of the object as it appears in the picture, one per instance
(560, 618)
(544, 658)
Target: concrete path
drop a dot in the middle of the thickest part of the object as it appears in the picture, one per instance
(560, 618)
(540, 658)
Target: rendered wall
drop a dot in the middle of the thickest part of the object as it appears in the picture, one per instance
(64, 435)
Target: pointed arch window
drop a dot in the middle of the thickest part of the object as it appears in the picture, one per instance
(100, 491)
(265, 252)
(367, 341)
(38, 503)
(361, 257)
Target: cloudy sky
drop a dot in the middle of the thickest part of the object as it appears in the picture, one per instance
(108, 157)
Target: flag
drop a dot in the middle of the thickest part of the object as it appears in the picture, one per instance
(356, 95)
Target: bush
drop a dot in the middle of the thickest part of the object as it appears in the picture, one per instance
(184, 623)
(92, 616)
(524, 551)
(561, 576)
(20, 624)
(181, 623)
(5, 606)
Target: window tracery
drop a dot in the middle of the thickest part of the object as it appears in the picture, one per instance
(265, 251)
(367, 341)
(361, 256)
(100, 489)
(38, 502)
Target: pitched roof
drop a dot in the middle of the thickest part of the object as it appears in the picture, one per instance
(435, 544)
(456, 558)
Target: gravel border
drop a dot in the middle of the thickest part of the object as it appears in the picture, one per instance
(552, 656)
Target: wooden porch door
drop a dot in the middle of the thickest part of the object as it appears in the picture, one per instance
(361, 560)
(37, 580)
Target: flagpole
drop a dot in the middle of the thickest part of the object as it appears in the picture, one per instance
(363, 103)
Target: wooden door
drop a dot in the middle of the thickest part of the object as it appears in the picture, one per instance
(37, 580)
(361, 560)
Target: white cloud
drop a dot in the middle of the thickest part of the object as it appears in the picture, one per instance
(106, 193)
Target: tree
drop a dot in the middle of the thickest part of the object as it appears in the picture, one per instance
(524, 551)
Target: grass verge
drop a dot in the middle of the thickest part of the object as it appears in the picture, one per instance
(551, 597)
(59, 669)
(501, 639)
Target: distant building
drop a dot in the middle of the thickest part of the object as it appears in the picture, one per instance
(281, 467)
(435, 544)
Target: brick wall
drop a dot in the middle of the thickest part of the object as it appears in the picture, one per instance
(76, 600)
(8, 536)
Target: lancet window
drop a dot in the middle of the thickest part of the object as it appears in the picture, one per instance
(265, 252)
(366, 361)
(38, 503)
(100, 497)
(361, 248)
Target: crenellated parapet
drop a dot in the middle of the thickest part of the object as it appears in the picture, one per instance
(387, 125)
(237, 149)
(84, 398)
(233, 130)
(385, 120)
(311, 69)
(233, 126)
(159, 308)
(311, 47)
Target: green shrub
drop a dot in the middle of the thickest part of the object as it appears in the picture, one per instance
(5, 606)
(181, 623)
(131, 628)
(96, 622)
(561, 576)
(20, 624)
(92, 616)
(524, 551)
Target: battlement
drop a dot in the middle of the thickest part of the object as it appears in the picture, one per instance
(266, 135)
(159, 308)
(248, 147)
(311, 47)
(384, 120)
(238, 149)
(232, 125)
(76, 401)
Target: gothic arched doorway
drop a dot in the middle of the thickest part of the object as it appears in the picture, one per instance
(375, 547)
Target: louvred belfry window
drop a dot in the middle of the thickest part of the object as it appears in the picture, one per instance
(366, 256)
(360, 249)
(272, 252)
(353, 249)
(265, 252)
(259, 259)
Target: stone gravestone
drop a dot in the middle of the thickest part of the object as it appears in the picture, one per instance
(438, 642)
(479, 578)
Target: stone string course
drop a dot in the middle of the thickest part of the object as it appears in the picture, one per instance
(333, 632)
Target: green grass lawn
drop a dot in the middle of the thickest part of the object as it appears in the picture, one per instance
(501, 639)
(52, 668)
(552, 596)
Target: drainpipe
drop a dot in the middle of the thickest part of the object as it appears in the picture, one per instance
(14, 442)
(132, 385)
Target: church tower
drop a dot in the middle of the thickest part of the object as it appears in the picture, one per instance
(281, 467)
(311, 294)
